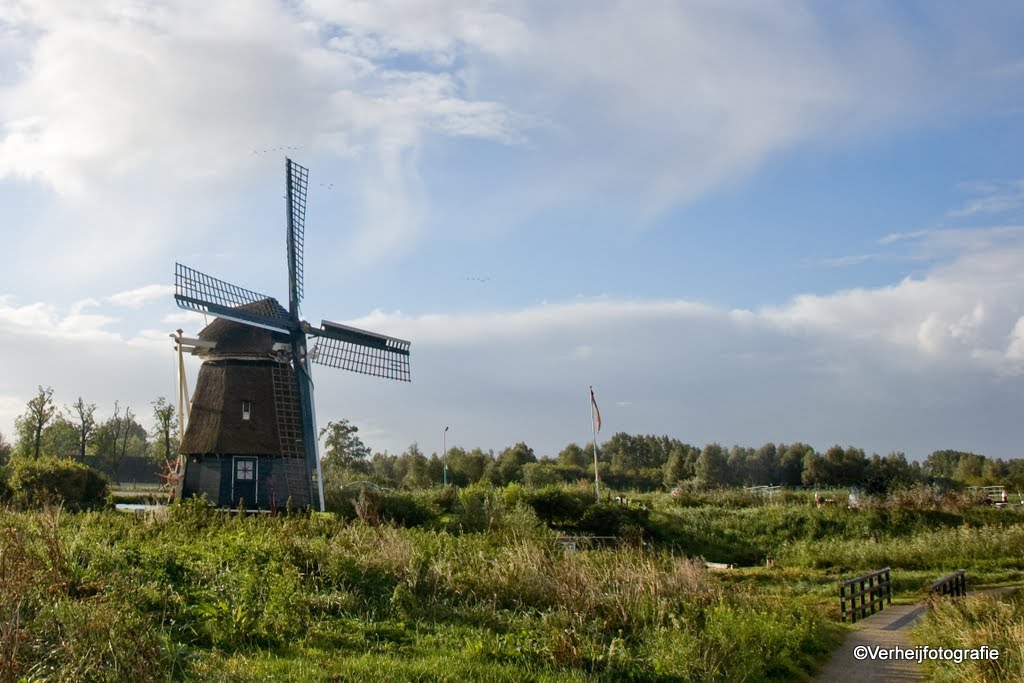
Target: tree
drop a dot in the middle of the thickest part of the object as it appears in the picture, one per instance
(817, 471)
(739, 461)
(116, 437)
(38, 411)
(509, 465)
(763, 466)
(791, 463)
(680, 465)
(5, 450)
(343, 449)
(994, 470)
(574, 455)
(415, 464)
(383, 469)
(635, 452)
(969, 468)
(888, 473)
(165, 428)
(85, 424)
(712, 468)
(59, 439)
(943, 463)
(467, 467)
(843, 467)
(540, 473)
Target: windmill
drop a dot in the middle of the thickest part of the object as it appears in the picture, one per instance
(251, 436)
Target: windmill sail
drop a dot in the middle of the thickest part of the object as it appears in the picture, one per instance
(369, 353)
(297, 180)
(199, 292)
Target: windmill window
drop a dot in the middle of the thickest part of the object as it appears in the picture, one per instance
(246, 410)
(245, 469)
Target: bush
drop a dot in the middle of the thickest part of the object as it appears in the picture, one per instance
(445, 499)
(406, 509)
(561, 506)
(613, 520)
(51, 480)
(5, 487)
(479, 506)
(374, 505)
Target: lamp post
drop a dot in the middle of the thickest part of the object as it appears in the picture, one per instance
(444, 454)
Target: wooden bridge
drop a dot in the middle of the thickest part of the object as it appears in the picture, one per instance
(888, 628)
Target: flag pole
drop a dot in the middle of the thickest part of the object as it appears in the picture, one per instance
(593, 426)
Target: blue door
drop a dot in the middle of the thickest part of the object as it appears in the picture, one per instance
(244, 482)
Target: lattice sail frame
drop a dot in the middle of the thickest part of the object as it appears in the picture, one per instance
(197, 291)
(297, 178)
(368, 353)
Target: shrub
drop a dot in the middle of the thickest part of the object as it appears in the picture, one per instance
(613, 520)
(374, 505)
(405, 509)
(479, 504)
(445, 499)
(559, 505)
(5, 487)
(52, 480)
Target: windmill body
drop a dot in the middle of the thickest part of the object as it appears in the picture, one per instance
(251, 436)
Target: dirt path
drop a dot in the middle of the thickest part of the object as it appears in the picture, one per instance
(888, 628)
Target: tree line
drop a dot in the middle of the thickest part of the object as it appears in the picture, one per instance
(75, 432)
(648, 463)
(625, 461)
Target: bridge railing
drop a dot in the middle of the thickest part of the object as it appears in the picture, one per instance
(953, 585)
(865, 594)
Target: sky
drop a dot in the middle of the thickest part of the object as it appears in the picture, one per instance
(739, 222)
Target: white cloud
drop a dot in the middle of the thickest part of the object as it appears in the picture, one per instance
(915, 366)
(126, 129)
(993, 199)
(578, 318)
(135, 298)
(133, 110)
(844, 261)
(46, 320)
(185, 318)
(138, 114)
(922, 364)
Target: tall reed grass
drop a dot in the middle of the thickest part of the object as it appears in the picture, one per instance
(993, 620)
(198, 594)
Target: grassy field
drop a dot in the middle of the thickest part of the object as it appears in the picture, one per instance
(480, 590)
(993, 620)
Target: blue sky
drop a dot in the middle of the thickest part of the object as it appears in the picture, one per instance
(740, 223)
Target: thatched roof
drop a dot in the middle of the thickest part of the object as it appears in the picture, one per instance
(238, 338)
(215, 422)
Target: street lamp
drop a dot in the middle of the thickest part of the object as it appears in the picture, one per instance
(444, 454)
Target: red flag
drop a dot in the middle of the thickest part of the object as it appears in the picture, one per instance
(597, 413)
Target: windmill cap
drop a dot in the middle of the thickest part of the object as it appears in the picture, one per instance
(234, 338)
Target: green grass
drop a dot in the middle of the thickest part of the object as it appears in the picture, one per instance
(479, 591)
(993, 620)
(196, 594)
